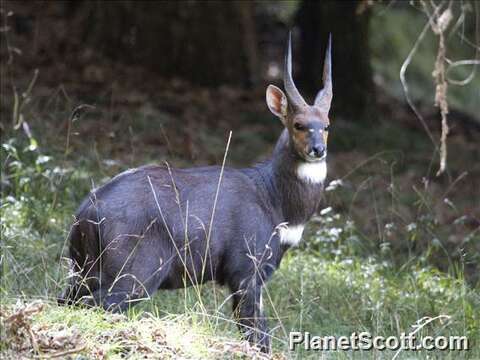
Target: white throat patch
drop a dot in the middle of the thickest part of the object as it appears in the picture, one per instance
(314, 172)
(290, 235)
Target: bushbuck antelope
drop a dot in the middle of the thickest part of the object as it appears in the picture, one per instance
(160, 228)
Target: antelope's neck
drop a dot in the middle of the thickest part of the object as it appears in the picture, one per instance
(294, 187)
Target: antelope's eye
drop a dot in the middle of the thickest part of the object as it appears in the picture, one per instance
(299, 127)
(326, 128)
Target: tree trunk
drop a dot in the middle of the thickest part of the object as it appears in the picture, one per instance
(353, 90)
(208, 43)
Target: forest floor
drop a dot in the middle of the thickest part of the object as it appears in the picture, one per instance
(393, 245)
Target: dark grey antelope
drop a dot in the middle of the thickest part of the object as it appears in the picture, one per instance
(156, 227)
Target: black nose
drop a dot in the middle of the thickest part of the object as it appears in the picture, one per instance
(318, 151)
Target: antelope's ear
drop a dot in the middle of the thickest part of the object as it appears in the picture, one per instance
(277, 102)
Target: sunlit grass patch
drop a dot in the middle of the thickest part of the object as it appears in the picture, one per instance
(46, 330)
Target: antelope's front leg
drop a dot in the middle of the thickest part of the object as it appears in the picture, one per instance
(248, 309)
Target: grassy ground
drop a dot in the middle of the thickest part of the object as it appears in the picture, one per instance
(307, 294)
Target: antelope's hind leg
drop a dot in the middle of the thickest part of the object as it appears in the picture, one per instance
(129, 277)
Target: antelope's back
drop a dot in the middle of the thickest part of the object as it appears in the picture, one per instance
(165, 202)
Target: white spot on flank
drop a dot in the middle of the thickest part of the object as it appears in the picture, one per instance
(314, 172)
(290, 235)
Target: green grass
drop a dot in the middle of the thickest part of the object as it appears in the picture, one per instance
(323, 297)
